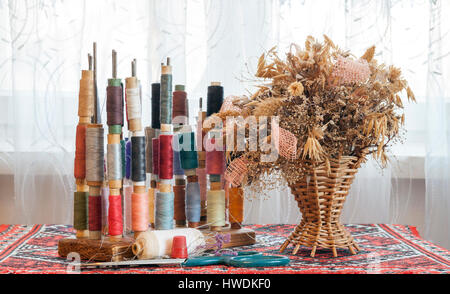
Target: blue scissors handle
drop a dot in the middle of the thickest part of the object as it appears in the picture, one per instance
(244, 259)
(259, 261)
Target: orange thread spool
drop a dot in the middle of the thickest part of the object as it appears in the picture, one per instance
(236, 206)
(80, 152)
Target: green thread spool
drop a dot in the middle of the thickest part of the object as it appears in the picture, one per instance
(80, 211)
(189, 158)
(115, 129)
(166, 98)
(115, 82)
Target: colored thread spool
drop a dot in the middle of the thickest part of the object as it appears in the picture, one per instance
(80, 216)
(128, 159)
(236, 206)
(156, 244)
(94, 153)
(193, 203)
(179, 108)
(215, 162)
(214, 99)
(150, 133)
(95, 212)
(80, 152)
(164, 210)
(188, 157)
(165, 157)
(114, 103)
(115, 221)
(114, 162)
(166, 94)
(86, 95)
(139, 212)
(179, 205)
(216, 208)
(138, 159)
(155, 144)
(156, 123)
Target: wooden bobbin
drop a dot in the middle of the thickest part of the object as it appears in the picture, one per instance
(133, 124)
(166, 128)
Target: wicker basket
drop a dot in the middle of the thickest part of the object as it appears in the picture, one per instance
(321, 196)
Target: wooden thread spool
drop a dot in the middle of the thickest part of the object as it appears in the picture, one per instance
(86, 97)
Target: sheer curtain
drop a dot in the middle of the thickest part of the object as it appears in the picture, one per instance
(44, 45)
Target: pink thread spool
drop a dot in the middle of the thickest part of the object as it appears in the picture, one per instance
(179, 247)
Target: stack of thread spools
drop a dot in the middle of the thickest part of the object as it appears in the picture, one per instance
(158, 177)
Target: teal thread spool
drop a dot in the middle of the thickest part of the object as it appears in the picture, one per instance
(189, 158)
(164, 206)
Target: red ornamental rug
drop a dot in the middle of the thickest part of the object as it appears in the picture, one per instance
(388, 249)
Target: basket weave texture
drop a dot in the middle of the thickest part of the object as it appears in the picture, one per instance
(320, 197)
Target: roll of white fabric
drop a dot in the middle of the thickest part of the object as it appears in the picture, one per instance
(158, 243)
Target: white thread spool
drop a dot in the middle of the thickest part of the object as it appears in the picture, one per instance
(158, 243)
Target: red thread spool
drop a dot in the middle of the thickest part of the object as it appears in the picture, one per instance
(80, 153)
(155, 155)
(165, 157)
(179, 248)
(215, 160)
(115, 222)
(95, 213)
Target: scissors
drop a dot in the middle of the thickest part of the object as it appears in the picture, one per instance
(243, 259)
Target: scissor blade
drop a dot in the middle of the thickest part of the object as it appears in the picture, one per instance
(137, 262)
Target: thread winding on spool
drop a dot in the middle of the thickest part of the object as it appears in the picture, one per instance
(202, 180)
(216, 208)
(139, 211)
(155, 244)
(80, 205)
(214, 99)
(138, 173)
(95, 213)
(114, 162)
(164, 210)
(166, 95)
(94, 153)
(188, 157)
(151, 206)
(86, 94)
(179, 109)
(177, 169)
(156, 89)
(179, 204)
(115, 221)
(193, 202)
(165, 157)
(114, 105)
(134, 108)
(236, 206)
(80, 152)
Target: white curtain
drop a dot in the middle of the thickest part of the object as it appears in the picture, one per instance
(44, 45)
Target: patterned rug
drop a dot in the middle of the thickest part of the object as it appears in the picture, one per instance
(390, 249)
